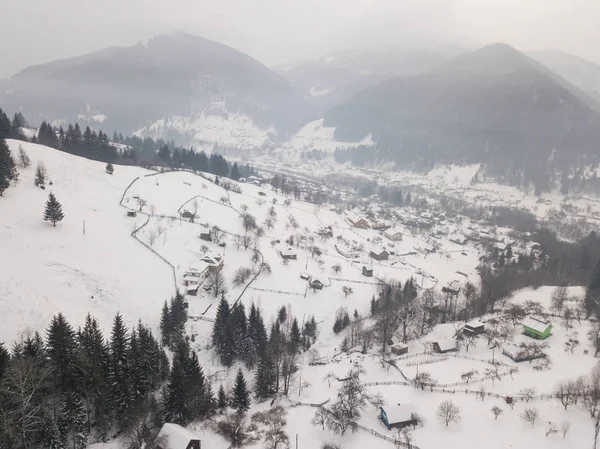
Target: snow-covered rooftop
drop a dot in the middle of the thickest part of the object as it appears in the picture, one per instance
(176, 436)
(535, 324)
(447, 344)
(400, 413)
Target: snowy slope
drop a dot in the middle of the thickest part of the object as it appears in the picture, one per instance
(46, 270)
(205, 129)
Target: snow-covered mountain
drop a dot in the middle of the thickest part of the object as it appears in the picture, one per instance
(171, 76)
(578, 71)
(335, 78)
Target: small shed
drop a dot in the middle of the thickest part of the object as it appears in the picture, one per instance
(288, 253)
(536, 328)
(367, 270)
(445, 346)
(261, 193)
(304, 275)
(192, 289)
(397, 347)
(398, 416)
(474, 327)
(173, 436)
(188, 215)
(318, 282)
(205, 234)
(132, 213)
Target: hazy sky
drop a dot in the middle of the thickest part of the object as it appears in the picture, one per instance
(276, 31)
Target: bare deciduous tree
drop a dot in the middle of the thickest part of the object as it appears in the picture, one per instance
(347, 291)
(530, 415)
(216, 282)
(552, 429)
(448, 412)
(151, 236)
(527, 393)
(468, 376)
(337, 268)
(565, 426)
(242, 274)
(497, 411)
(320, 418)
(274, 420)
(234, 428)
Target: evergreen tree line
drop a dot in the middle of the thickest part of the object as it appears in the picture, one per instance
(147, 151)
(9, 130)
(274, 355)
(57, 391)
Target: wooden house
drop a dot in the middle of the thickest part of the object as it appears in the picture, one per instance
(205, 234)
(188, 215)
(287, 253)
(379, 254)
(445, 346)
(474, 327)
(356, 220)
(536, 328)
(398, 416)
(131, 213)
(196, 274)
(214, 261)
(393, 234)
(367, 270)
(173, 436)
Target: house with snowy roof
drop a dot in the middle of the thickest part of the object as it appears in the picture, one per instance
(536, 328)
(379, 253)
(394, 234)
(356, 220)
(196, 274)
(287, 253)
(173, 436)
(398, 416)
(214, 260)
(445, 346)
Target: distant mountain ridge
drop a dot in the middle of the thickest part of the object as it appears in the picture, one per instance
(494, 105)
(170, 75)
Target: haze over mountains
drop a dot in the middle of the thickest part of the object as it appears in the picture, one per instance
(494, 105)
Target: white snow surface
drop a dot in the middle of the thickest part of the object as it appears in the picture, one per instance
(45, 270)
(227, 129)
(316, 136)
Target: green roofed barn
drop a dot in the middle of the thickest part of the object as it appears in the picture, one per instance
(536, 328)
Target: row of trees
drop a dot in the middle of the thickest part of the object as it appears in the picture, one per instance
(58, 390)
(274, 355)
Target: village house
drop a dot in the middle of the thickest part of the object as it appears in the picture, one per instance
(379, 253)
(173, 436)
(518, 354)
(356, 221)
(398, 416)
(397, 347)
(196, 274)
(187, 214)
(394, 234)
(205, 234)
(474, 327)
(380, 225)
(536, 328)
(346, 251)
(287, 253)
(367, 270)
(131, 213)
(214, 260)
(445, 346)
(317, 282)
(459, 239)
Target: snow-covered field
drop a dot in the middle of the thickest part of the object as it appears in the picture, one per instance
(105, 270)
(46, 270)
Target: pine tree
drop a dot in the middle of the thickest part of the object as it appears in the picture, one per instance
(8, 170)
(256, 330)
(238, 330)
(219, 333)
(24, 160)
(222, 400)
(110, 169)
(165, 324)
(295, 337)
(241, 396)
(4, 360)
(119, 370)
(174, 395)
(282, 315)
(61, 347)
(592, 295)
(235, 172)
(40, 175)
(73, 421)
(53, 211)
(178, 317)
(52, 437)
(265, 378)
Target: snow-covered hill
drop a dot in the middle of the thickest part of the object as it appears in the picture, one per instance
(46, 270)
